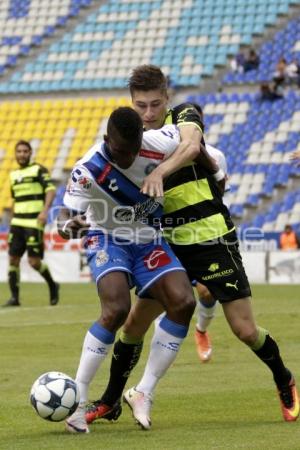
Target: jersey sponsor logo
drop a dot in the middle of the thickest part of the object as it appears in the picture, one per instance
(138, 212)
(124, 214)
(223, 273)
(104, 174)
(213, 267)
(143, 209)
(157, 258)
(151, 154)
(101, 258)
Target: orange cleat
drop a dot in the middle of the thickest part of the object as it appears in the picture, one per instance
(203, 345)
(289, 401)
(99, 410)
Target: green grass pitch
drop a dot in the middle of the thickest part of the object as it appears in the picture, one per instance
(228, 403)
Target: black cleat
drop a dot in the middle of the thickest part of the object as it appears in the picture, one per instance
(12, 302)
(54, 294)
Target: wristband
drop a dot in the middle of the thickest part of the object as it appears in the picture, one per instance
(64, 228)
(218, 176)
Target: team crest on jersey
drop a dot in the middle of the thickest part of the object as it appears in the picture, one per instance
(92, 242)
(84, 182)
(101, 258)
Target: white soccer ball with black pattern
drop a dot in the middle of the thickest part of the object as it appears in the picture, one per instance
(54, 396)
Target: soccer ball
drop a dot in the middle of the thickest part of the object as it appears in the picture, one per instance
(54, 396)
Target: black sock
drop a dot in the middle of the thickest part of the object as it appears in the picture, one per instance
(124, 359)
(45, 273)
(14, 281)
(269, 354)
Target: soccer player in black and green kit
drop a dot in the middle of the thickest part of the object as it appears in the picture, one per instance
(200, 231)
(33, 193)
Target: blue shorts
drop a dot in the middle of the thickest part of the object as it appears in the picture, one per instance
(144, 263)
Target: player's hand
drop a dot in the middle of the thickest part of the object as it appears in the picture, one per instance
(295, 156)
(153, 184)
(42, 218)
(74, 228)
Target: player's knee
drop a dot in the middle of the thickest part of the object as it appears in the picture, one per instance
(134, 327)
(34, 263)
(114, 315)
(14, 261)
(205, 295)
(183, 304)
(246, 334)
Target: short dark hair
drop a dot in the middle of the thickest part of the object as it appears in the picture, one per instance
(22, 142)
(147, 77)
(127, 123)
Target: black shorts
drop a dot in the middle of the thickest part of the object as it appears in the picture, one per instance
(21, 239)
(218, 265)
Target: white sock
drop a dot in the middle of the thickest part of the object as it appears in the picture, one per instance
(165, 345)
(158, 319)
(205, 316)
(97, 343)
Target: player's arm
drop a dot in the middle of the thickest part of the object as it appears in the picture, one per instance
(221, 168)
(190, 127)
(187, 150)
(295, 156)
(71, 224)
(71, 220)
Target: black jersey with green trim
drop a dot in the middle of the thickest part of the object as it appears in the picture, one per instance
(184, 114)
(28, 188)
(193, 208)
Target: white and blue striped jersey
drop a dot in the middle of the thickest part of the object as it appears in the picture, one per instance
(111, 198)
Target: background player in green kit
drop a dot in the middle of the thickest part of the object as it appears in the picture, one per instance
(33, 192)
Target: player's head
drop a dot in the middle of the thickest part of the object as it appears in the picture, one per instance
(288, 228)
(148, 88)
(23, 152)
(124, 136)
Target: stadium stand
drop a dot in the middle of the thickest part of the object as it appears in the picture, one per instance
(25, 24)
(59, 131)
(286, 43)
(257, 137)
(189, 39)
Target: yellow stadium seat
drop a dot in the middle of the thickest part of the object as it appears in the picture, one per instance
(124, 101)
(57, 104)
(69, 103)
(112, 102)
(36, 104)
